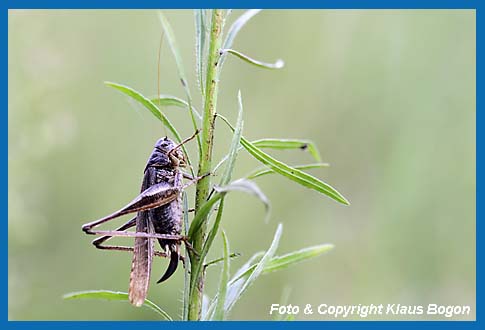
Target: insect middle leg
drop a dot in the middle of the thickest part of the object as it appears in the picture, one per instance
(107, 234)
(98, 242)
(192, 179)
(120, 233)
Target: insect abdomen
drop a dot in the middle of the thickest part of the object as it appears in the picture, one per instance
(167, 219)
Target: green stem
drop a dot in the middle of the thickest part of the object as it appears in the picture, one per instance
(207, 135)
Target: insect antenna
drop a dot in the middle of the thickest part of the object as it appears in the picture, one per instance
(158, 75)
(183, 142)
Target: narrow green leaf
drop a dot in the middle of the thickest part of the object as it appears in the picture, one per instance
(276, 65)
(281, 144)
(226, 17)
(203, 212)
(137, 96)
(233, 286)
(242, 273)
(236, 137)
(238, 185)
(264, 171)
(185, 307)
(205, 307)
(234, 30)
(258, 270)
(284, 301)
(219, 313)
(248, 187)
(208, 242)
(216, 261)
(222, 161)
(284, 261)
(293, 174)
(289, 144)
(169, 100)
(167, 28)
(200, 37)
(251, 263)
(114, 296)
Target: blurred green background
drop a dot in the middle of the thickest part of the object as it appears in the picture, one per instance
(388, 96)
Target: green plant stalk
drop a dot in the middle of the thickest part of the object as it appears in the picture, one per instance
(205, 160)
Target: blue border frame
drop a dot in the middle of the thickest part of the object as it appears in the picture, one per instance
(302, 4)
(189, 4)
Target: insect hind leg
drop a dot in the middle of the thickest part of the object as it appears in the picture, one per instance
(118, 233)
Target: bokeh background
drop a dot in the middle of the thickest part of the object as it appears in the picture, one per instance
(388, 96)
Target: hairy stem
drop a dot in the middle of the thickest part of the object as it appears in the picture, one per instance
(207, 135)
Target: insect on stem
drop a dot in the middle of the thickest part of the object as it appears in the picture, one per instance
(159, 217)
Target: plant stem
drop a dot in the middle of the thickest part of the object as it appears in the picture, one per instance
(203, 186)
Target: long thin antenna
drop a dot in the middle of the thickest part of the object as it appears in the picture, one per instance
(183, 142)
(158, 74)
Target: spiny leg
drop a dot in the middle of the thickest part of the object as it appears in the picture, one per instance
(130, 249)
(117, 233)
(98, 242)
(187, 175)
(194, 180)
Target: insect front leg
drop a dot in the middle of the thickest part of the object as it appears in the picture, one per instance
(190, 177)
(187, 176)
(192, 180)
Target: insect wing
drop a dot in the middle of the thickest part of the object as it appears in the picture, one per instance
(141, 264)
(142, 261)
